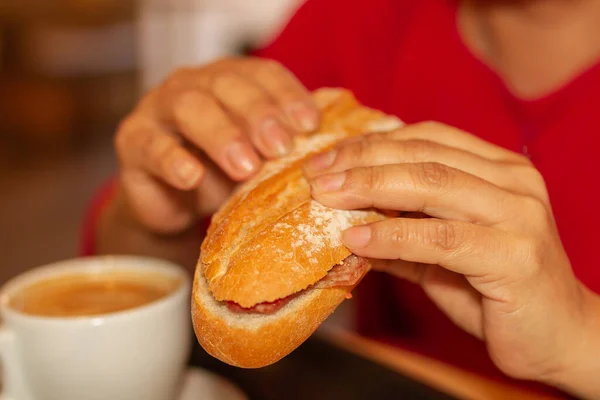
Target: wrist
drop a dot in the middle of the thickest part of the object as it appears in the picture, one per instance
(579, 371)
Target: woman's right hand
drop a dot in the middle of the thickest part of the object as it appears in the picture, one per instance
(189, 141)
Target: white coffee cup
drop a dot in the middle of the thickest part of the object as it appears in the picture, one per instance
(136, 354)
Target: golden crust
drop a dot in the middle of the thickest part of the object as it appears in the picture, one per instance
(292, 254)
(258, 344)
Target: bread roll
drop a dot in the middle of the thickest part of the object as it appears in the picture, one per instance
(266, 279)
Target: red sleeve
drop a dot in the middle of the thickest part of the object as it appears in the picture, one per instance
(304, 46)
(90, 221)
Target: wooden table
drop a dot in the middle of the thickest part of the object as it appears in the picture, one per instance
(443, 377)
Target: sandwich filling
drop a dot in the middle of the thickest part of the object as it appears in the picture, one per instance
(347, 273)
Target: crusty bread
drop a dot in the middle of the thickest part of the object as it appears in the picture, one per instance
(271, 240)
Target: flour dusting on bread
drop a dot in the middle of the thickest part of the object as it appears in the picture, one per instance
(324, 228)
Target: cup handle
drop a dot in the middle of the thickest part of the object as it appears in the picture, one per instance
(13, 380)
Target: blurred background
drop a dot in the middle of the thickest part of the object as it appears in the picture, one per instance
(69, 71)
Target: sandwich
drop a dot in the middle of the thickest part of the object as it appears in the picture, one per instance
(272, 267)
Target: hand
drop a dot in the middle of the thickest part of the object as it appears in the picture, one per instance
(182, 149)
(490, 256)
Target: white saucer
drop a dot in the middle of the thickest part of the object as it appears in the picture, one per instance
(201, 384)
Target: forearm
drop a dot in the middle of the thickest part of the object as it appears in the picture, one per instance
(118, 232)
(581, 376)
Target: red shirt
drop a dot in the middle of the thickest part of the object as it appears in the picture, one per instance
(406, 58)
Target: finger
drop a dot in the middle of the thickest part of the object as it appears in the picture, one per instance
(158, 206)
(215, 188)
(372, 150)
(202, 121)
(453, 137)
(431, 188)
(259, 112)
(485, 255)
(293, 98)
(144, 145)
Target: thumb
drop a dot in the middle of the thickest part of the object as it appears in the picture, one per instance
(450, 291)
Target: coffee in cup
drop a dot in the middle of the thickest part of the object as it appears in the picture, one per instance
(96, 328)
(88, 294)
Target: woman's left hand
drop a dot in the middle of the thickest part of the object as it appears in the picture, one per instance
(490, 255)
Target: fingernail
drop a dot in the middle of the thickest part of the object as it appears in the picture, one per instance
(275, 138)
(329, 183)
(304, 116)
(242, 158)
(357, 237)
(321, 161)
(187, 171)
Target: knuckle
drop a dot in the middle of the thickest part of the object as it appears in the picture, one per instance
(518, 159)
(158, 147)
(190, 99)
(128, 134)
(534, 255)
(280, 82)
(375, 138)
(230, 133)
(536, 177)
(528, 180)
(178, 76)
(148, 146)
(399, 233)
(363, 180)
(269, 67)
(376, 178)
(537, 184)
(418, 150)
(524, 160)
(224, 81)
(257, 110)
(536, 180)
(445, 235)
(259, 107)
(431, 175)
(536, 211)
(355, 181)
(171, 152)
(289, 94)
(354, 152)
